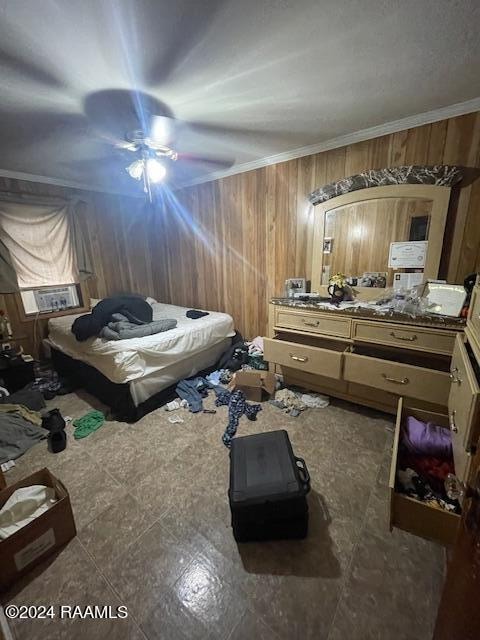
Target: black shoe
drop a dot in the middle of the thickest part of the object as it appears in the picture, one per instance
(53, 421)
(57, 441)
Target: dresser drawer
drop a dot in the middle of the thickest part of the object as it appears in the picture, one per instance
(408, 513)
(325, 362)
(397, 377)
(417, 338)
(463, 404)
(313, 323)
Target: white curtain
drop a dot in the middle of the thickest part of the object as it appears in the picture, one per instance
(38, 238)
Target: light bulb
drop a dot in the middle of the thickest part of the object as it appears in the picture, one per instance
(135, 170)
(155, 170)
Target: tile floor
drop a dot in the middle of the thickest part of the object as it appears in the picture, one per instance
(153, 534)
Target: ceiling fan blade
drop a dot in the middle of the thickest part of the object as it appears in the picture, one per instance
(29, 69)
(115, 113)
(110, 139)
(221, 163)
(163, 130)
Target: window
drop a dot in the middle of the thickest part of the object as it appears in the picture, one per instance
(40, 243)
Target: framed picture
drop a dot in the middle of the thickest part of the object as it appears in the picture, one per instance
(327, 245)
(295, 285)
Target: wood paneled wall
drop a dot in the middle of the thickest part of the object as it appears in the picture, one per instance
(229, 245)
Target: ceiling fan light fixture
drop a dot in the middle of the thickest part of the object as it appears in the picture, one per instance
(155, 170)
(135, 170)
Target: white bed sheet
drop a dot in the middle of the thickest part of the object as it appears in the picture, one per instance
(143, 388)
(124, 361)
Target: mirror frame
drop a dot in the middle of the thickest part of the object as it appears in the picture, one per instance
(438, 195)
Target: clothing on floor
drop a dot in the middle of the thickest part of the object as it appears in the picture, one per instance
(136, 309)
(315, 400)
(122, 329)
(28, 397)
(427, 439)
(17, 435)
(257, 362)
(255, 354)
(27, 414)
(193, 390)
(87, 424)
(174, 405)
(195, 314)
(290, 401)
(23, 506)
(219, 377)
(227, 359)
(237, 406)
(255, 347)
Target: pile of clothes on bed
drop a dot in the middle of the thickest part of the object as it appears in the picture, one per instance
(120, 318)
(425, 462)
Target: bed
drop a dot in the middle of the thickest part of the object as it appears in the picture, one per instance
(134, 376)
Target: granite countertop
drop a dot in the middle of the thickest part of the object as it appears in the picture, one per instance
(371, 313)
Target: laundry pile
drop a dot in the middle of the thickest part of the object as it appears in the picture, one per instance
(20, 429)
(229, 391)
(425, 461)
(25, 421)
(243, 355)
(120, 328)
(50, 384)
(294, 401)
(120, 318)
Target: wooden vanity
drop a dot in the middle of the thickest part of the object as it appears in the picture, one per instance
(425, 368)
(360, 356)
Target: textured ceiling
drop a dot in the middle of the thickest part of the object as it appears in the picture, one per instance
(256, 77)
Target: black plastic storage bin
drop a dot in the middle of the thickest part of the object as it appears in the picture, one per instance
(268, 488)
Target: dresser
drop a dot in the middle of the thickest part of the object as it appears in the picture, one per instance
(425, 367)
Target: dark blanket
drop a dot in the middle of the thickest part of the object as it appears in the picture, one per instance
(136, 309)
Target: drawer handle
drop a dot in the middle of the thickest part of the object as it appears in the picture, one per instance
(298, 358)
(455, 379)
(406, 338)
(396, 380)
(309, 323)
(453, 426)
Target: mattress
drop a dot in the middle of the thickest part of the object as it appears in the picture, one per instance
(124, 361)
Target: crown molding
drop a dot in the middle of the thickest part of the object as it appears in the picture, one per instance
(70, 184)
(458, 109)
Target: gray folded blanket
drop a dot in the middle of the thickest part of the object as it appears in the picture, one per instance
(121, 329)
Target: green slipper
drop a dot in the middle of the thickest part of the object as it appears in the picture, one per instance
(87, 424)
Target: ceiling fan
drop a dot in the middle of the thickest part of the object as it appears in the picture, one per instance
(144, 127)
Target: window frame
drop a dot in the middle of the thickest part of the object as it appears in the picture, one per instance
(83, 297)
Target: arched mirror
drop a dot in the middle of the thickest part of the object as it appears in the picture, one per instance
(353, 232)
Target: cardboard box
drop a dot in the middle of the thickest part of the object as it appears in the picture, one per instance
(26, 548)
(256, 385)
